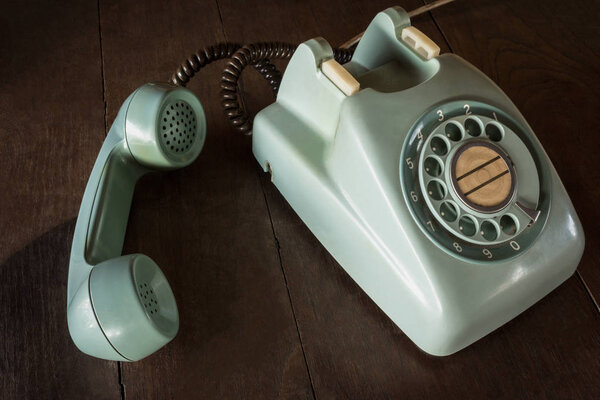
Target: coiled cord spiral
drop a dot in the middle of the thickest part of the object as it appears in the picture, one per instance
(250, 54)
(257, 55)
(200, 59)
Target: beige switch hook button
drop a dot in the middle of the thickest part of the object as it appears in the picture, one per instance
(340, 77)
(420, 42)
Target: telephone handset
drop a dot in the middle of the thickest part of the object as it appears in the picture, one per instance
(122, 307)
(414, 170)
(423, 180)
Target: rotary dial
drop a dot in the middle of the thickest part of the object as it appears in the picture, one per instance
(473, 181)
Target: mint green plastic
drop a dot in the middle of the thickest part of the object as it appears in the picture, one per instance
(337, 161)
(122, 307)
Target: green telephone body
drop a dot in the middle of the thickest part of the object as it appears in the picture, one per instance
(423, 180)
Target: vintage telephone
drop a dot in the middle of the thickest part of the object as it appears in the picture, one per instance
(414, 170)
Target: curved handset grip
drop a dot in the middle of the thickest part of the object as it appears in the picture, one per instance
(102, 220)
(99, 235)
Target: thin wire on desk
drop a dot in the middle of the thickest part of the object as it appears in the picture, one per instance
(413, 13)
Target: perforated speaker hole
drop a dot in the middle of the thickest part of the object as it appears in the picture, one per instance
(148, 299)
(178, 127)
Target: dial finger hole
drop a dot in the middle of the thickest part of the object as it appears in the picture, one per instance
(453, 131)
(436, 190)
(467, 225)
(494, 131)
(509, 224)
(439, 146)
(473, 127)
(448, 211)
(432, 166)
(489, 230)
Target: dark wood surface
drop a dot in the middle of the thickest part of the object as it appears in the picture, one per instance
(265, 311)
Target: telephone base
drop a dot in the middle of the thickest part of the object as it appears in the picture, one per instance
(340, 160)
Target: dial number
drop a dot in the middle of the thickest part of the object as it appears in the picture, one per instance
(430, 225)
(457, 247)
(414, 196)
(487, 253)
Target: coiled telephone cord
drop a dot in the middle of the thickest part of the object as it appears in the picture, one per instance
(239, 57)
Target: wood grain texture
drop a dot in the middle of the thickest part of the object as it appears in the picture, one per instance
(355, 351)
(265, 310)
(51, 112)
(207, 226)
(51, 127)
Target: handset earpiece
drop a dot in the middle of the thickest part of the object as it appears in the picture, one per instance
(122, 307)
(165, 126)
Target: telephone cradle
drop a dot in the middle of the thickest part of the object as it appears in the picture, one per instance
(423, 180)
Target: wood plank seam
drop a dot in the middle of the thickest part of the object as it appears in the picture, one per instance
(102, 79)
(221, 21)
(242, 92)
(589, 292)
(439, 28)
(287, 288)
(120, 379)
(102, 68)
(277, 246)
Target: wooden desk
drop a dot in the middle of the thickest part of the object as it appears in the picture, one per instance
(265, 310)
